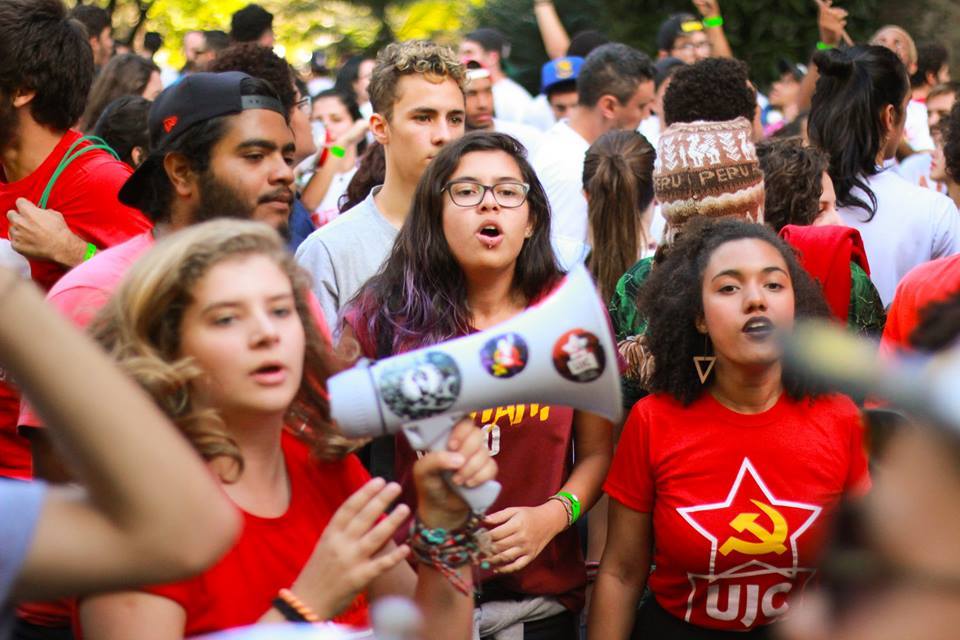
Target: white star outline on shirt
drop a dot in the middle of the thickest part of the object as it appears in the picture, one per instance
(747, 467)
(575, 344)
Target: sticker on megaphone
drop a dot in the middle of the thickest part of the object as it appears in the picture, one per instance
(558, 352)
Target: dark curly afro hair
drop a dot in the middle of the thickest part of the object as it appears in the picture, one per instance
(672, 299)
(259, 62)
(951, 142)
(715, 90)
(793, 179)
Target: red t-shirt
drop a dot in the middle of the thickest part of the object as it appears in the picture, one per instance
(930, 282)
(79, 296)
(518, 436)
(86, 195)
(739, 502)
(271, 552)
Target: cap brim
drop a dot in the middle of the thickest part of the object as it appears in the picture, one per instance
(133, 191)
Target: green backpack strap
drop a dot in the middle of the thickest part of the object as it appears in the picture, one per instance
(69, 157)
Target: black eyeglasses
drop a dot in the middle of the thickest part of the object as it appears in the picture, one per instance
(305, 104)
(467, 193)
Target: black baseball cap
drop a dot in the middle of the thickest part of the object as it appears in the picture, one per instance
(196, 98)
(679, 24)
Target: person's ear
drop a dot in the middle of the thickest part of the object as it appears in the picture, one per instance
(23, 97)
(701, 324)
(607, 105)
(380, 128)
(136, 156)
(181, 174)
(889, 118)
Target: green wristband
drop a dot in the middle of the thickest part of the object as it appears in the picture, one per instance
(823, 46)
(574, 503)
(338, 151)
(91, 251)
(715, 21)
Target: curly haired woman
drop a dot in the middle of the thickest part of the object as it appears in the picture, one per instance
(726, 474)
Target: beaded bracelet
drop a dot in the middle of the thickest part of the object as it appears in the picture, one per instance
(567, 507)
(447, 550)
(292, 608)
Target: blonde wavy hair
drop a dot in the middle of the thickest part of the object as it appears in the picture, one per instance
(140, 328)
(433, 61)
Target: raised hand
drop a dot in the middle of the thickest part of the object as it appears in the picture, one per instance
(832, 22)
(708, 8)
(350, 553)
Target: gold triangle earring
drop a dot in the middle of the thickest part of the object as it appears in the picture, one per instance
(704, 364)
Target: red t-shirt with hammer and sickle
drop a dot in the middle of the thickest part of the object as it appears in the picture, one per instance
(740, 503)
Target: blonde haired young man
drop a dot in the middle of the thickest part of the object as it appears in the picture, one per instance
(417, 93)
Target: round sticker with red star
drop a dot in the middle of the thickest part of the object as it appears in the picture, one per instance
(578, 356)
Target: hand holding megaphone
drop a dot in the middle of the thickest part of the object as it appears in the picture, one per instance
(560, 352)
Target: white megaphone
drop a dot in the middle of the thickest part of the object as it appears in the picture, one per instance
(559, 352)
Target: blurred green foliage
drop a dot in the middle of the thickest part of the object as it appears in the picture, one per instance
(761, 32)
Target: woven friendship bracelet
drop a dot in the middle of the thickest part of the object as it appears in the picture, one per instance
(567, 506)
(447, 550)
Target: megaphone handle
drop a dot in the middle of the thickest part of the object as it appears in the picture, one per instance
(432, 434)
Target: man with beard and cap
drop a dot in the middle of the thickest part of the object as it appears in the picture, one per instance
(45, 162)
(222, 147)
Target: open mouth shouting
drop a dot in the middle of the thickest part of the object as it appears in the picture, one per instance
(270, 374)
(490, 234)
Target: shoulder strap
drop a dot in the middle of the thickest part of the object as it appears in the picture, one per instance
(69, 157)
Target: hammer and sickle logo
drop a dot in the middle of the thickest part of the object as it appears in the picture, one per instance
(767, 541)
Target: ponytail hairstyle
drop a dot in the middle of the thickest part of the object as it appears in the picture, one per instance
(854, 88)
(618, 180)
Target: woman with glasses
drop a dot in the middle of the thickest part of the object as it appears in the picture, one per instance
(474, 252)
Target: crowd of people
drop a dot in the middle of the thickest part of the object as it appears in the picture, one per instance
(231, 235)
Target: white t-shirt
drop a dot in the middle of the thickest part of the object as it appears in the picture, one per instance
(915, 167)
(528, 136)
(912, 225)
(20, 504)
(510, 100)
(539, 114)
(650, 129)
(916, 130)
(559, 165)
(329, 207)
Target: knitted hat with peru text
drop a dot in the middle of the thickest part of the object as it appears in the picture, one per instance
(708, 169)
